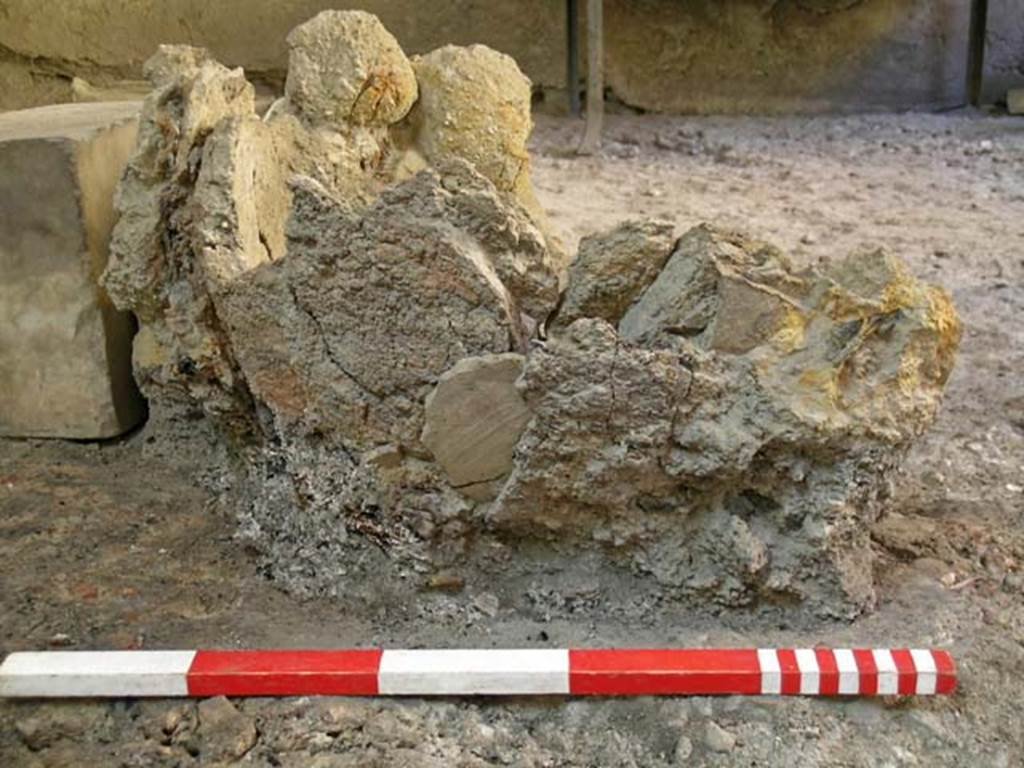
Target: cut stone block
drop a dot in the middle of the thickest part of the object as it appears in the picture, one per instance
(1015, 101)
(65, 351)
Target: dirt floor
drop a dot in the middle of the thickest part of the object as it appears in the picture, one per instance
(105, 546)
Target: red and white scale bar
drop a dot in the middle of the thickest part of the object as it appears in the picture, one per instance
(619, 672)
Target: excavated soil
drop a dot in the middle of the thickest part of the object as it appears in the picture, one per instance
(107, 546)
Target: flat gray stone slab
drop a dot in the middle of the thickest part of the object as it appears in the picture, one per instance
(474, 418)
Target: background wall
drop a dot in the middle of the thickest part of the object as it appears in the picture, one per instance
(1004, 58)
(662, 55)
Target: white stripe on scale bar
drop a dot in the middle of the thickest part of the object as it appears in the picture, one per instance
(810, 674)
(771, 672)
(888, 674)
(444, 672)
(849, 675)
(927, 672)
(96, 673)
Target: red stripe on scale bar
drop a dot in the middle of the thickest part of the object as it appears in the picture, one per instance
(829, 671)
(653, 672)
(946, 672)
(284, 673)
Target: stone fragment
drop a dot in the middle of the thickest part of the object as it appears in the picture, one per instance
(524, 256)
(366, 313)
(866, 351)
(475, 105)
(224, 733)
(65, 350)
(718, 288)
(717, 738)
(51, 724)
(312, 345)
(191, 95)
(242, 201)
(488, 604)
(351, 163)
(168, 252)
(613, 268)
(603, 421)
(1015, 101)
(820, 341)
(165, 67)
(474, 418)
(741, 395)
(683, 751)
(446, 581)
(345, 68)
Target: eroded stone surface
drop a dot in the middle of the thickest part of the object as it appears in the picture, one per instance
(613, 268)
(344, 68)
(603, 422)
(227, 733)
(392, 300)
(475, 105)
(164, 252)
(65, 351)
(707, 282)
(738, 435)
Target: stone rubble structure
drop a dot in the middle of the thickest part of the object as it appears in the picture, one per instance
(359, 292)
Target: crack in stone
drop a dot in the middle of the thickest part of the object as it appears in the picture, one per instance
(327, 347)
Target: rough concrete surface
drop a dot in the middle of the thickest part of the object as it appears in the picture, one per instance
(65, 351)
(116, 546)
(707, 56)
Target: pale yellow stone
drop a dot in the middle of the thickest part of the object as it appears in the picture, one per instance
(65, 351)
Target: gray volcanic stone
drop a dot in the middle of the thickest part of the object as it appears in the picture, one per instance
(736, 438)
(603, 421)
(382, 305)
(707, 282)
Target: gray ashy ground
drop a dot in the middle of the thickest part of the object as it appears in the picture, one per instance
(101, 546)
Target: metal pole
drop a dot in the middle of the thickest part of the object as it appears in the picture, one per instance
(572, 64)
(976, 51)
(595, 78)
